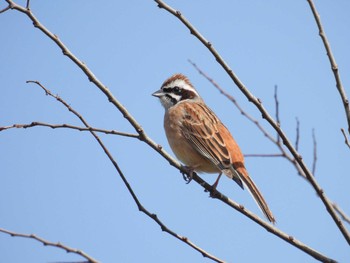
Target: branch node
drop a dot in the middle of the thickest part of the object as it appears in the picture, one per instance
(321, 192)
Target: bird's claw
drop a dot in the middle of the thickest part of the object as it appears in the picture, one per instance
(188, 175)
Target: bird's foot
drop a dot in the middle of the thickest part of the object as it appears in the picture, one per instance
(188, 175)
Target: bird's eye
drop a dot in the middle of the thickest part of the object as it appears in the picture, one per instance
(176, 89)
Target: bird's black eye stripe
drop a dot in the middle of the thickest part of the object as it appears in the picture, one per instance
(176, 90)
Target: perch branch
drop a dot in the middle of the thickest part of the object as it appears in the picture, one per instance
(265, 115)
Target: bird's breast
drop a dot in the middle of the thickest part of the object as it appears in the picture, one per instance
(181, 146)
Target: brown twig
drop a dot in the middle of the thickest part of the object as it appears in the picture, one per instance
(345, 137)
(121, 174)
(159, 149)
(69, 126)
(332, 61)
(277, 110)
(52, 244)
(5, 9)
(264, 155)
(297, 136)
(345, 217)
(265, 115)
(315, 152)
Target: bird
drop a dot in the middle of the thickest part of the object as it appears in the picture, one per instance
(200, 140)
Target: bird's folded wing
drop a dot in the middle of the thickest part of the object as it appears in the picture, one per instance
(200, 129)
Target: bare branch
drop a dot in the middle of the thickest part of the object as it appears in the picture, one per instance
(5, 9)
(332, 61)
(345, 137)
(264, 155)
(315, 152)
(68, 126)
(125, 181)
(345, 217)
(52, 244)
(278, 121)
(297, 137)
(265, 115)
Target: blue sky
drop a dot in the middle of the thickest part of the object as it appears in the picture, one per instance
(60, 185)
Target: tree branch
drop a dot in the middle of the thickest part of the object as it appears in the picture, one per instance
(5, 9)
(51, 244)
(332, 61)
(345, 137)
(265, 115)
(315, 152)
(67, 126)
(345, 217)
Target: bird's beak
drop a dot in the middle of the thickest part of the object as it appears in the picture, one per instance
(158, 93)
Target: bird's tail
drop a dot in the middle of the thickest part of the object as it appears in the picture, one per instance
(254, 191)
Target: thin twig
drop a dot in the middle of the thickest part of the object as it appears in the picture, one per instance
(297, 136)
(52, 244)
(345, 217)
(315, 152)
(265, 115)
(264, 155)
(345, 137)
(278, 121)
(5, 9)
(125, 181)
(67, 126)
(332, 61)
